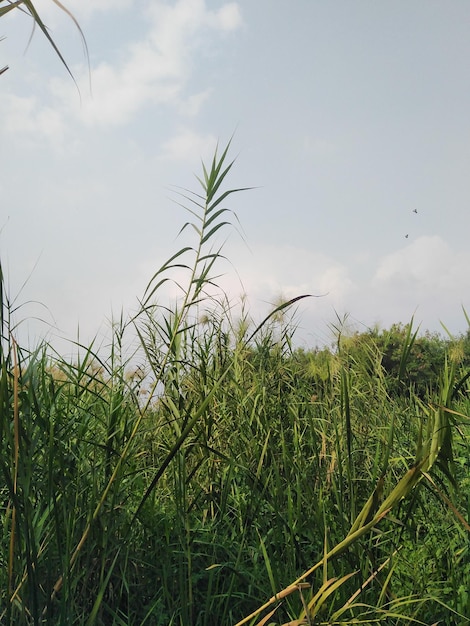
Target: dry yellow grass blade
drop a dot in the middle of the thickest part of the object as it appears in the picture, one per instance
(324, 592)
(333, 552)
(268, 616)
(360, 527)
(279, 596)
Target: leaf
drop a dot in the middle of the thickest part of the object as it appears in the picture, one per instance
(278, 309)
(325, 591)
(37, 20)
(267, 617)
(213, 230)
(10, 7)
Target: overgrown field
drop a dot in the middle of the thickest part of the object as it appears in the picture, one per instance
(219, 466)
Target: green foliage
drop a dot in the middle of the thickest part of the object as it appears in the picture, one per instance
(411, 363)
(193, 481)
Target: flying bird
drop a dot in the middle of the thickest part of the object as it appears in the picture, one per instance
(415, 210)
(406, 236)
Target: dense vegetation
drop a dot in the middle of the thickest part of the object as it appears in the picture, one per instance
(218, 466)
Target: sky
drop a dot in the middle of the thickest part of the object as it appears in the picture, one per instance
(348, 119)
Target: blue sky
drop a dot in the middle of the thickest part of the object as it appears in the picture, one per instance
(347, 117)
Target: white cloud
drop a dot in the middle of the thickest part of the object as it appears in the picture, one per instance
(79, 8)
(193, 104)
(24, 116)
(154, 70)
(426, 279)
(427, 265)
(187, 145)
(51, 14)
(151, 71)
(227, 18)
(270, 272)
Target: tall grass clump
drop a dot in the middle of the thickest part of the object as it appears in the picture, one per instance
(220, 475)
